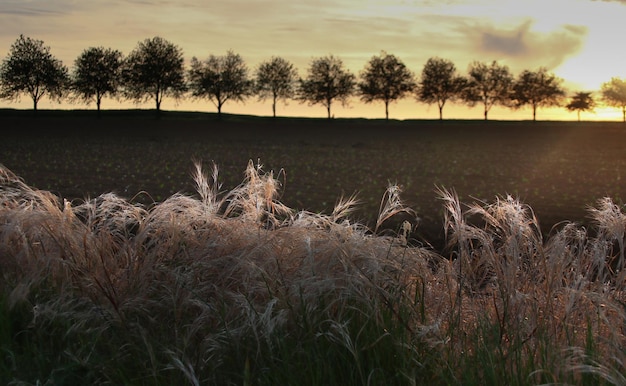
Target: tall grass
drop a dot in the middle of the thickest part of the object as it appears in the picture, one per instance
(236, 288)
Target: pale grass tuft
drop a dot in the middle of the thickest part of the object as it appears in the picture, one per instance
(344, 207)
(391, 205)
(207, 188)
(214, 287)
(611, 224)
(524, 286)
(256, 199)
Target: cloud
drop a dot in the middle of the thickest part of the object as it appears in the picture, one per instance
(511, 43)
(522, 47)
(38, 19)
(27, 11)
(36, 8)
(413, 30)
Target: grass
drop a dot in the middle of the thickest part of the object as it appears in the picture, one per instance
(232, 286)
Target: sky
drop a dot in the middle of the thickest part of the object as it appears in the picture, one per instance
(578, 40)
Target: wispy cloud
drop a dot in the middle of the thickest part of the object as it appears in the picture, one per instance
(28, 11)
(37, 8)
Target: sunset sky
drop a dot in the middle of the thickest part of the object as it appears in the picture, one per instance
(579, 40)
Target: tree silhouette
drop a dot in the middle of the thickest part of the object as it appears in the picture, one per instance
(97, 73)
(385, 78)
(327, 80)
(440, 83)
(30, 69)
(220, 78)
(614, 94)
(276, 79)
(537, 89)
(153, 70)
(488, 84)
(581, 101)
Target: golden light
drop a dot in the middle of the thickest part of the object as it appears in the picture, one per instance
(354, 30)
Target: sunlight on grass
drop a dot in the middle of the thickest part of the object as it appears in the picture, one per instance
(236, 288)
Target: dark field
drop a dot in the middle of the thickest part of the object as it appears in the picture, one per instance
(558, 168)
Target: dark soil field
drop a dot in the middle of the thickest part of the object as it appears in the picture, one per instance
(558, 168)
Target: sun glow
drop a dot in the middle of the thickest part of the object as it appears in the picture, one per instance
(573, 38)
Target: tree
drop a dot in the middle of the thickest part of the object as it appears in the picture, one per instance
(440, 83)
(614, 94)
(276, 79)
(581, 101)
(220, 78)
(537, 89)
(385, 78)
(488, 84)
(327, 80)
(30, 69)
(153, 70)
(97, 73)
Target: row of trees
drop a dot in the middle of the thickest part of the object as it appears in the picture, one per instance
(155, 69)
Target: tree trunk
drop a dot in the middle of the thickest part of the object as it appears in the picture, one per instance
(441, 113)
(328, 110)
(158, 105)
(36, 96)
(486, 112)
(98, 100)
(219, 111)
(386, 110)
(274, 105)
(578, 115)
(624, 113)
(534, 113)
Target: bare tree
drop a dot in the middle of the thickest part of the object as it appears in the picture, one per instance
(440, 83)
(97, 73)
(153, 70)
(387, 79)
(488, 84)
(614, 94)
(276, 79)
(30, 69)
(581, 101)
(537, 89)
(327, 81)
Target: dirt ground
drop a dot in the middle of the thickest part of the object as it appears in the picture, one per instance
(558, 168)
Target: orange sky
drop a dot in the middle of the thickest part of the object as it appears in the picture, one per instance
(578, 40)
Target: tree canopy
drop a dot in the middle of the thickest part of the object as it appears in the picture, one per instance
(276, 79)
(327, 80)
(97, 73)
(614, 94)
(156, 69)
(220, 78)
(581, 101)
(440, 83)
(387, 79)
(537, 89)
(153, 70)
(488, 84)
(30, 69)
